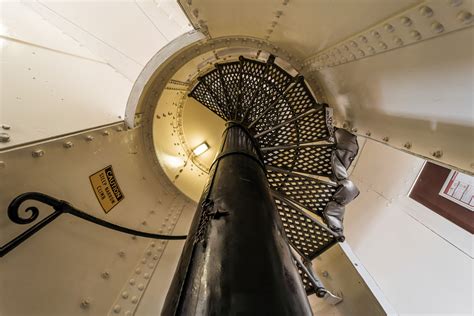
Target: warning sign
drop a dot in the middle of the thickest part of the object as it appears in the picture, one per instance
(106, 188)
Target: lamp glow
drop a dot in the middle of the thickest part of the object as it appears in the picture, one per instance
(201, 149)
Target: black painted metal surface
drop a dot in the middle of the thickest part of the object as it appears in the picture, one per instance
(236, 260)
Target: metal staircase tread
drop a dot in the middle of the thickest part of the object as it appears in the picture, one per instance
(307, 236)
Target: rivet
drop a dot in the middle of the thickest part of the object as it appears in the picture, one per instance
(361, 52)
(416, 35)
(398, 41)
(386, 139)
(117, 309)
(106, 133)
(143, 260)
(124, 294)
(105, 275)
(352, 56)
(151, 265)
(438, 154)
(134, 299)
(354, 130)
(155, 257)
(89, 138)
(407, 145)
(37, 153)
(138, 271)
(153, 244)
(437, 27)
(134, 237)
(426, 11)
(128, 313)
(371, 49)
(119, 129)
(121, 253)
(383, 45)
(353, 44)
(368, 133)
(363, 39)
(141, 286)
(4, 138)
(375, 34)
(405, 20)
(148, 253)
(131, 281)
(85, 303)
(465, 17)
(146, 275)
(389, 28)
(2, 164)
(144, 223)
(6, 127)
(68, 145)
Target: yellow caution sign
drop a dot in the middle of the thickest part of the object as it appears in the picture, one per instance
(106, 188)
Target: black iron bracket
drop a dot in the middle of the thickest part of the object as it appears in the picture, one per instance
(60, 207)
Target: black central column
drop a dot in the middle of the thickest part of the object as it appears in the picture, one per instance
(236, 260)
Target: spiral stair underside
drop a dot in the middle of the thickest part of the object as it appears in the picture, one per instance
(305, 157)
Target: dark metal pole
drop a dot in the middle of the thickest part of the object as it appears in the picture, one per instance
(236, 260)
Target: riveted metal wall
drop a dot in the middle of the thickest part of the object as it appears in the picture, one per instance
(72, 267)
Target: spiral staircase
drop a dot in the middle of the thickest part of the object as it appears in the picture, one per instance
(305, 157)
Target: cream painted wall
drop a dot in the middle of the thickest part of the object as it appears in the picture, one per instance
(70, 65)
(422, 262)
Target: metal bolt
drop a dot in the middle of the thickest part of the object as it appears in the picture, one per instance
(143, 260)
(398, 41)
(368, 133)
(386, 139)
(375, 34)
(138, 271)
(4, 138)
(121, 254)
(426, 11)
(119, 129)
(134, 300)
(151, 265)
(37, 153)
(361, 52)
(128, 313)
(6, 127)
(383, 45)
(405, 20)
(437, 27)
(371, 49)
(89, 138)
(146, 275)
(106, 133)
(407, 145)
(134, 237)
(155, 257)
(85, 303)
(353, 44)
(124, 294)
(389, 28)
(363, 39)
(438, 154)
(354, 130)
(144, 223)
(140, 286)
(465, 17)
(131, 282)
(415, 34)
(117, 309)
(105, 275)
(325, 274)
(68, 145)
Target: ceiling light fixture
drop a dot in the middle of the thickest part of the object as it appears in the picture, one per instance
(201, 149)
